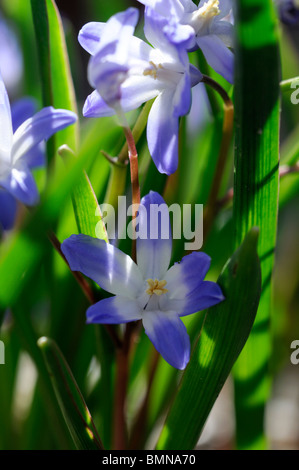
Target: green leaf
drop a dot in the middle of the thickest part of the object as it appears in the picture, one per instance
(257, 112)
(57, 83)
(87, 210)
(224, 333)
(70, 399)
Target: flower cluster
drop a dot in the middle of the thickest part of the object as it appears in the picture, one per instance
(127, 71)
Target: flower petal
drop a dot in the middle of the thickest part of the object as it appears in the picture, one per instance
(5, 124)
(114, 310)
(105, 264)
(107, 78)
(166, 7)
(36, 157)
(162, 133)
(95, 106)
(89, 36)
(288, 11)
(225, 31)
(154, 242)
(225, 7)
(20, 111)
(164, 33)
(184, 277)
(169, 336)
(189, 6)
(195, 75)
(205, 296)
(135, 91)
(182, 97)
(108, 68)
(8, 210)
(120, 27)
(21, 184)
(38, 128)
(218, 56)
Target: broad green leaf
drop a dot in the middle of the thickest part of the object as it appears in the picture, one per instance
(224, 333)
(257, 113)
(70, 399)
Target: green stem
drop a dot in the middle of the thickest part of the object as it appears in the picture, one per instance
(227, 132)
(137, 131)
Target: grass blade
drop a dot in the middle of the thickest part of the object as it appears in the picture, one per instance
(69, 397)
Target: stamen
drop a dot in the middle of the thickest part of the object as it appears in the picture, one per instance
(204, 15)
(156, 287)
(153, 70)
(210, 9)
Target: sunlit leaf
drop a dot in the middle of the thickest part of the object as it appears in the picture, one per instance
(70, 399)
(224, 334)
(257, 110)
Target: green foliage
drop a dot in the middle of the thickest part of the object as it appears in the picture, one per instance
(223, 335)
(257, 107)
(43, 304)
(71, 402)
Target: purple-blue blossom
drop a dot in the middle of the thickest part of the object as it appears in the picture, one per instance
(126, 72)
(288, 11)
(212, 25)
(20, 152)
(148, 290)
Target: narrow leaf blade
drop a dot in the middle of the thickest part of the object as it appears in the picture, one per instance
(70, 399)
(225, 331)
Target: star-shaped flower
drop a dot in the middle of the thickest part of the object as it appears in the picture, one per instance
(126, 72)
(20, 152)
(148, 290)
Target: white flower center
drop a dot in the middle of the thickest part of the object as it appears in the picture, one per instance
(152, 70)
(201, 18)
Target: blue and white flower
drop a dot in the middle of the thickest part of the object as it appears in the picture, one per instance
(20, 152)
(126, 72)
(148, 290)
(212, 26)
